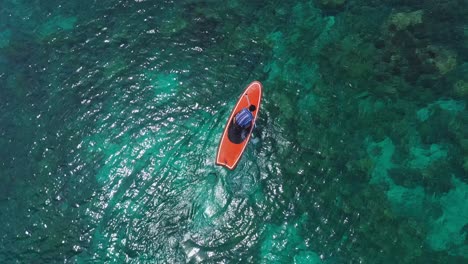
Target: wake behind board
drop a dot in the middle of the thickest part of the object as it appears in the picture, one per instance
(231, 146)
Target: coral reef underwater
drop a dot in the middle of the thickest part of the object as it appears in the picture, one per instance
(109, 112)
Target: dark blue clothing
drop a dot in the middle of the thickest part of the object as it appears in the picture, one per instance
(244, 118)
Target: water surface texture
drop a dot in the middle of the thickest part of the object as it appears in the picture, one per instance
(111, 114)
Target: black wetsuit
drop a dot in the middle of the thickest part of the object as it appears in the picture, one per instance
(237, 134)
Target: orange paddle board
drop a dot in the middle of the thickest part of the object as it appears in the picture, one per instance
(231, 147)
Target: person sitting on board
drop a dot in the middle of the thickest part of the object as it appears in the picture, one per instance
(241, 124)
(245, 117)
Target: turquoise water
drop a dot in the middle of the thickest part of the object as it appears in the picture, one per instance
(111, 113)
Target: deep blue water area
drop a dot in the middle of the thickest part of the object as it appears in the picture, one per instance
(111, 114)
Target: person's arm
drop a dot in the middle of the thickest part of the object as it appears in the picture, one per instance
(244, 133)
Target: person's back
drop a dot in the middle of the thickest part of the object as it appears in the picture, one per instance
(244, 118)
(241, 125)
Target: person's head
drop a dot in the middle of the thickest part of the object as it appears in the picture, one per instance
(252, 108)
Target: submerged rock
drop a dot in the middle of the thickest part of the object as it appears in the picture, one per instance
(461, 88)
(332, 3)
(440, 59)
(5, 37)
(55, 25)
(403, 20)
(173, 26)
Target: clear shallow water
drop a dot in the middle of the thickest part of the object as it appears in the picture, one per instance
(111, 114)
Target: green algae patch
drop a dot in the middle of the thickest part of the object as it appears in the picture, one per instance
(332, 3)
(407, 201)
(114, 68)
(166, 81)
(448, 232)
(162, 82)
(444, 60)
(403, 20)
(451, 106)
(284, 244)
(460, 88)
(5, 37)
(307, 257)
(164, 86)
(56, 24)
(381, 154)
(311, 29)
(423, 157)
(423, 114)
(173, 26)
